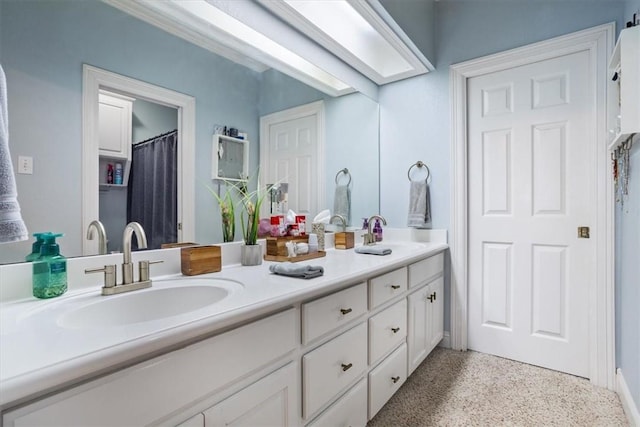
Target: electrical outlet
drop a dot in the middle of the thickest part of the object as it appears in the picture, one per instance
(25, 165)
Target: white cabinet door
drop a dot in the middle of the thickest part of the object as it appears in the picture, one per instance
(270, 401)
(417, 324)
(436, 305)
(425, 322)
(114, 130)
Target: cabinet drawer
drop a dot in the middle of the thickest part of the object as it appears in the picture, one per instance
(387, 286)
(423, 271)
(387, 329)
(386, 379)
(330, 368)
(349, 410)
(330, 312)
(149, 391)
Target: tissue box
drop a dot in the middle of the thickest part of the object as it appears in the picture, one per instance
(200, 260)
(276, 245)
(344, 240)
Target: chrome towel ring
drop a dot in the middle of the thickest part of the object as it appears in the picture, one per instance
(346, 172)
(419, 164)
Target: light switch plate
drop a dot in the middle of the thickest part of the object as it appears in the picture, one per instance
(25, 165)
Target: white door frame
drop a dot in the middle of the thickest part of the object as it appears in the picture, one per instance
(93, 79)
(312, 109)
(598, 41)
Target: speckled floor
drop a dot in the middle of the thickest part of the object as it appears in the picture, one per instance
(453, 388)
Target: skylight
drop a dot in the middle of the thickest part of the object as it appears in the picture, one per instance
(342, 23)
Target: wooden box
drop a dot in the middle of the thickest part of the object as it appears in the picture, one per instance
(344, 240)
(200, 260)
(276, 245)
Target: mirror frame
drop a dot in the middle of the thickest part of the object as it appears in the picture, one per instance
(94, 79)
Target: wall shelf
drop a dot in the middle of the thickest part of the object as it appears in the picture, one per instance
(229, 158)
(624, 92)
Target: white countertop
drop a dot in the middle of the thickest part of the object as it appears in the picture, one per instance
(38, 354)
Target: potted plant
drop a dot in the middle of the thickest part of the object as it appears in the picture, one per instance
(251, 252)
(227, 212)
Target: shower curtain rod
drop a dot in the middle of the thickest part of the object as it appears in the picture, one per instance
(156, 137)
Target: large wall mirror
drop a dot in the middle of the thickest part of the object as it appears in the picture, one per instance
(44, 46)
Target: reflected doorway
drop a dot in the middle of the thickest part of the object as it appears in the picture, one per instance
(95, 80)
(138, 148)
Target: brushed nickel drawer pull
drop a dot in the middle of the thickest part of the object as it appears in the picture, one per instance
(395, 286)
(395, 330)
(395, 379)
(346, 310)
(346, 367)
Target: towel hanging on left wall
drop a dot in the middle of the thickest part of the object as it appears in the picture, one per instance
(12, 227)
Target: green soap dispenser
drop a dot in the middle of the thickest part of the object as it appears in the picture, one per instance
(35, 248)
(50, 269)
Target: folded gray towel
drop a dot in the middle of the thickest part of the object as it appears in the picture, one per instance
(419, 205)
(297, 270)
(12, 228)
(342, 202)
(373, 250)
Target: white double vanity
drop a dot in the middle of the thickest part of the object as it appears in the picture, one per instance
(261, 349)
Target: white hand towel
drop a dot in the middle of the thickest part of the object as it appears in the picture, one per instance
(12, 228)
(342, 202)
(419, 205)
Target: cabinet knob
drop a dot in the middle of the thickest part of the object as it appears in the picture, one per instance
(347, 366)
(395, 286)
(345, 310)
(395, 330)
(395, 379)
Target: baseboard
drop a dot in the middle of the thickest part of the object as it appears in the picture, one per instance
(446, 340)
(628, 404)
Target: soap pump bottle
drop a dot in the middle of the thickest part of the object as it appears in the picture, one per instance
(50, 269)
(35, 248)
(377, 231)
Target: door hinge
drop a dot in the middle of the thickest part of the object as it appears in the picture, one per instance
(180, 226)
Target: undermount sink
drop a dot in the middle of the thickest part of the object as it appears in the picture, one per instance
(166, 299)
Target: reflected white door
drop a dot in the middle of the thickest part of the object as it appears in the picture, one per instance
(293, 155)
(531, 185)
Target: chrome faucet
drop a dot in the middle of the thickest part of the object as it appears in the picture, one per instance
(110, 287)
(127, 265)
(341, 218)
(369, 238)
(102, 235)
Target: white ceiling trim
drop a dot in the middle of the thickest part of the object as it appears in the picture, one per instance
(175, 21)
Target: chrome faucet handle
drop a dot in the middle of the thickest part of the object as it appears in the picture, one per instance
(109, 274)
(143, 269)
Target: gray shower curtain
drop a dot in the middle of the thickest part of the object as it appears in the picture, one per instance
(153, 188)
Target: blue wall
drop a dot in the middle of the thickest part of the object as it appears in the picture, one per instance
(628, 279)
(414, 113)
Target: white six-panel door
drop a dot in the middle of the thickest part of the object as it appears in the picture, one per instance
(529, 191)
(292, 152)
